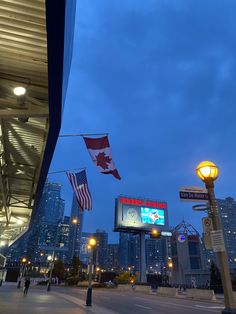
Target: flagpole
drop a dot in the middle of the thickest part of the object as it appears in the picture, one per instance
(61, 171)
(90, 134)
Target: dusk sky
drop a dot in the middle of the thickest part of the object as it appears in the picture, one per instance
(160, 77)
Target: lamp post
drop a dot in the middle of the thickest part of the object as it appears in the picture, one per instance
(74, 222)
(99, 273)
(92, 243)
(52, 257)
(208, 173)
(22, 270)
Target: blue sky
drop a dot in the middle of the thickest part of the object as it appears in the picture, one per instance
(159, 76)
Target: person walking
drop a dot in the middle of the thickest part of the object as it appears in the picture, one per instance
(27, 284)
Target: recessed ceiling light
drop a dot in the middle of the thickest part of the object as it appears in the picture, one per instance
(19, 91)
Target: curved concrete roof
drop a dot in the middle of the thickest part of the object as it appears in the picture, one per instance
(31, 56)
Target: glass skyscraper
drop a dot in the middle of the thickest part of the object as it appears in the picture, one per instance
(49, 214)
(129, 251)
(75, 229)
(101, 248)
(227, 212)
(112, 257)
(227, 209)
(156, 254)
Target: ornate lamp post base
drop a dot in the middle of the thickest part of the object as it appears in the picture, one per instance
(89, 297)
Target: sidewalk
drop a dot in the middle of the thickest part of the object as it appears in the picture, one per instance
(39, 300)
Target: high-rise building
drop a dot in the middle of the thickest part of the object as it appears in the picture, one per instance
(84, 250)
(51, 206)
(63, 239)
(134, 252)
(17, 250)
(123, 250)
(129, 251)
(227, 209)
(112, 257)
(44, 233)
(156, 254)
(75, 229)
(101, 248)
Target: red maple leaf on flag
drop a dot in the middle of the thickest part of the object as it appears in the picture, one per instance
(103, 160)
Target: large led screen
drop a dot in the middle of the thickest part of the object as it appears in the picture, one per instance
(152, 216)
(138, 214)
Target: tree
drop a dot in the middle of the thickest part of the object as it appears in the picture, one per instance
(76, 267)
(125, 277)
(75, 273)
(59, 270)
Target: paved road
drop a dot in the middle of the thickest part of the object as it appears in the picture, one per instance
(128, 302)
(62, 300)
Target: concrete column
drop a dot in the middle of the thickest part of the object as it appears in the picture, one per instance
(143, 277)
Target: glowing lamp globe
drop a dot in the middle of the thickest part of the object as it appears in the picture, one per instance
(207, 171)
(19, 91)
(92, 242)
(74, 221)
(154, 231)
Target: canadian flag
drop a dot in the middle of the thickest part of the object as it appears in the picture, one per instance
(100, 152)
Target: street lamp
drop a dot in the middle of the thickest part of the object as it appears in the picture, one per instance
(52, 258)
(99, 273)
(74, 222)
(22, 270)
(155, 233)
(91, 244)
(208, 173)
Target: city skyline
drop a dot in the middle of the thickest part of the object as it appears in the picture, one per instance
(113, 235)
(118, 156)
(161, 84)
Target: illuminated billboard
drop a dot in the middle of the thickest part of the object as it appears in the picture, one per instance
(134, 214)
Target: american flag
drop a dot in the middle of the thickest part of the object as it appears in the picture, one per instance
(80, 187)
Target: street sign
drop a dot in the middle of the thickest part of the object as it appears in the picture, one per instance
(207, 224)
(193, 194)
(207, 228)
(217, 239)
(166, 233)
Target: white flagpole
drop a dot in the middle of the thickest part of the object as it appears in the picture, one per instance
(91, 134)
(54, 172)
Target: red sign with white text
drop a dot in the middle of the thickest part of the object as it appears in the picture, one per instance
(138, 202)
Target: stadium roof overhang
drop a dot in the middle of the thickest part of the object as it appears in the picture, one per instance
(34, 45)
